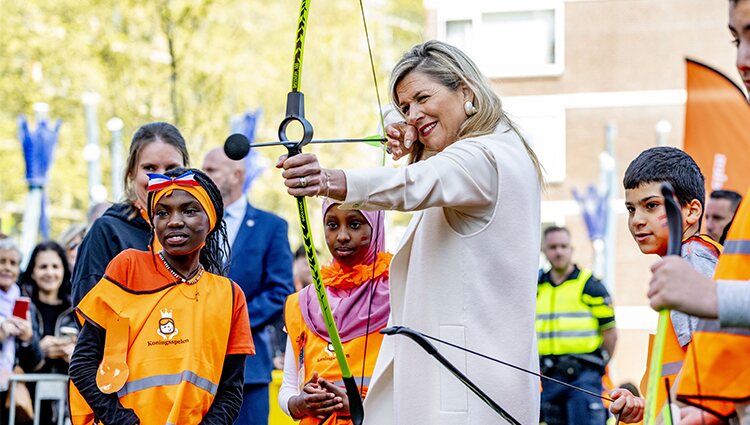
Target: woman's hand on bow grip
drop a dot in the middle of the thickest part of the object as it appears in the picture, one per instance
(302, 174)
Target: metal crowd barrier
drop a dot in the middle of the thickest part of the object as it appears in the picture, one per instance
(49, 386)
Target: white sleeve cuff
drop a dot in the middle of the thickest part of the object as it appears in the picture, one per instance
(289, 385)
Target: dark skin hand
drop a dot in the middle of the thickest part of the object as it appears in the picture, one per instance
(317, 400)
(340, 394)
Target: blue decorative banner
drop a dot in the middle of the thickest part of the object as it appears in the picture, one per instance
(594, 210)
(246, 124)
(38, 149)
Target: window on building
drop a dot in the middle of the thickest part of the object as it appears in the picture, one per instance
(543, 122)
(507, 38)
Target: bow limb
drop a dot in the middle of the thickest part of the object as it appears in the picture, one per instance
(674, 223)
(431, 350)
(422, 340)
(655, 372)
(295, 112)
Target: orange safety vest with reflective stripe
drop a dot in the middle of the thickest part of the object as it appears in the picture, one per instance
(672, 361)
(174, 360)
(717, 372)
(674, 354)
(315, 354)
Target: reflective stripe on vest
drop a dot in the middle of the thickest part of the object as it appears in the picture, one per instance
(566, 334)
(575, 314)
(674, 354)
(717, 368)
(565, 324)
(317, 356)
(671, 368)
(172, 379)
(737, 247)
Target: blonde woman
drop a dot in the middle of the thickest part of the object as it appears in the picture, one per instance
(466, 268)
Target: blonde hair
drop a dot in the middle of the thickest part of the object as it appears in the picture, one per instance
(75, 229)
(449, 66)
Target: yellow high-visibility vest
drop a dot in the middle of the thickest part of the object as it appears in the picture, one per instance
(566, 318)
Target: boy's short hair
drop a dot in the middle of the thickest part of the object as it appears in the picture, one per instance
(667, 164)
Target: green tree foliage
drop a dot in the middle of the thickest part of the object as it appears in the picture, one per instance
(194, 63)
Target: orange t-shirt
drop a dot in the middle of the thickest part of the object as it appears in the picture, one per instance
(143, 271)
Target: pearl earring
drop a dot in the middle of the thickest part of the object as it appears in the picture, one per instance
(469, 108)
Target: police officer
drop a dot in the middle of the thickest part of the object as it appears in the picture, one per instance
(575, 325)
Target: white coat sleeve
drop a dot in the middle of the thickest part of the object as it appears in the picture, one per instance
(733, 299)
(463, 177)
(289, 385)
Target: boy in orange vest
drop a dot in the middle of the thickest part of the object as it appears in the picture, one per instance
(647, 223)
(718, 382)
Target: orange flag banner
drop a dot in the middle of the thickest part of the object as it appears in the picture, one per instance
(717, 128)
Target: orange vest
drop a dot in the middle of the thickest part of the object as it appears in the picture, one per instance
(174, 359)
(607, 386)
(674, 354)
(315, 354)
(718, 361)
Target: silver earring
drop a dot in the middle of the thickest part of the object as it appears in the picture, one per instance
(469, 108)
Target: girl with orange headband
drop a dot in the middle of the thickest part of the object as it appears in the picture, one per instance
(165, 334)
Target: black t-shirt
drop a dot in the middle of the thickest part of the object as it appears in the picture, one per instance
(50, 313)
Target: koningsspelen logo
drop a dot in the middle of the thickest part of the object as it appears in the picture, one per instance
(167, 328)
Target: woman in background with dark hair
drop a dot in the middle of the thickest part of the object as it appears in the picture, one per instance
(47, 282)
(155, 148)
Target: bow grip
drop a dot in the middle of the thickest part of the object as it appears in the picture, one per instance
(295, 112)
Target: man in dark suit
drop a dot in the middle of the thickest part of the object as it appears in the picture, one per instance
(261, 264)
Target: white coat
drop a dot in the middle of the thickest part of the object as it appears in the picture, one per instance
(465, 271)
